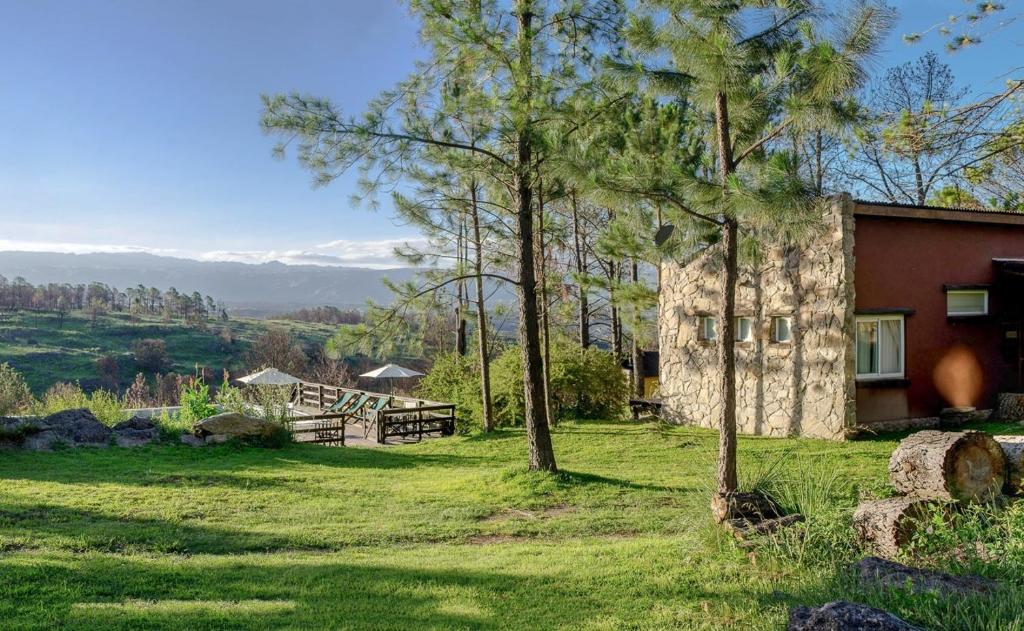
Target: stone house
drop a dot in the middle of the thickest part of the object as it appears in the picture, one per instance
(888, 316)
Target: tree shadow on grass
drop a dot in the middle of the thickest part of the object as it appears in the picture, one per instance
(232, 466)
(76, 529)
(297, 592)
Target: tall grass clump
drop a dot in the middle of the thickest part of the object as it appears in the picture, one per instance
(104, 405)
(815, 489)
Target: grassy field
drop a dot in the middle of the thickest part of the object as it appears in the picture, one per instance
(450, 533)
(46, 352)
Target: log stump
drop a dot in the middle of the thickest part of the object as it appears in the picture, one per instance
(954, 466)
(1010, 407)
(1013, 449)
(886, 526)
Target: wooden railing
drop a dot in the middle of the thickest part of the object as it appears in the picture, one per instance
(403, 416)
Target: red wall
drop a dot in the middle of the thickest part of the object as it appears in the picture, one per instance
(904, 263)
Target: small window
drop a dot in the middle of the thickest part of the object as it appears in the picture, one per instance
(967, 302)
(744, 329)
(782, 329)
(707, 330)
(880, 347)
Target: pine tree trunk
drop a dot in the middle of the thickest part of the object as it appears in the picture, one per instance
(613, 277)
(544, 304)
(727, 479)
(583, 317)
(638, 353)
(1013, 449)
(538, 434)
(461, 299)
(481, 315)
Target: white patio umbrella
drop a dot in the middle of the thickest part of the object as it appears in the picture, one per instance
(269, 377)
(392, 372)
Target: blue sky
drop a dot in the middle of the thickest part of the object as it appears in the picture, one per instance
(133, 124)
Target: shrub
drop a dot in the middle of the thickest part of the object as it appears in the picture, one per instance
(454, 378)
(14, 392)
(108, 369)
(584, 384)
(137, 395)
(151, 355)
(195, 401)
(104, 405)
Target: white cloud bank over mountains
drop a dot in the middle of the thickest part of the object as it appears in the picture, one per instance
(377, 254)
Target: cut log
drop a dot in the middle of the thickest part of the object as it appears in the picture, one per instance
(960, 466)
(886, 526)
(1013, 449)
(1010, 407)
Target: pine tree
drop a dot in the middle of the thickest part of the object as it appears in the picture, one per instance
(750, 71)
(523, 59)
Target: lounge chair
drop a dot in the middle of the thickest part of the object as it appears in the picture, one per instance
(378, 405)
(341, 403)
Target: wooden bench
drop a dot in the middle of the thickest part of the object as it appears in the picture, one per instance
(640, 407)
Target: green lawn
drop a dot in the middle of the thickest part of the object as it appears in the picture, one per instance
(450, 533)
(45, 351)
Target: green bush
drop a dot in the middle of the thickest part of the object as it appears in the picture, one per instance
(14, 392)
(195, 401)
(584, 384)
(454, 378)
(104, 405)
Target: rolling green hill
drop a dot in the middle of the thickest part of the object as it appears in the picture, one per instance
(45, 351)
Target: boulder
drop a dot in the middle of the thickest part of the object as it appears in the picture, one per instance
(845, 616)
(192, 440)
(71, 428)
(235, 425)
(136, 432)
(14, 430)
(873, 573)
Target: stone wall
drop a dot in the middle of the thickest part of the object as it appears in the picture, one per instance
(804, 387)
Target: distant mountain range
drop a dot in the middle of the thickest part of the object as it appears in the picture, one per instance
(247, 289)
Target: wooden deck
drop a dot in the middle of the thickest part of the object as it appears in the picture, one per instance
(382, 417)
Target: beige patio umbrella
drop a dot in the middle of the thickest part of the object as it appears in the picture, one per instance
(391, 372)
(269, 377)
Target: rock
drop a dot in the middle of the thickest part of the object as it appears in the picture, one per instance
(235, 425)
(192, 440)
(73, 428)
(136, 432)
(874, 573)
(42, 441)
(217, 439)
(14, 430)
(845, 616)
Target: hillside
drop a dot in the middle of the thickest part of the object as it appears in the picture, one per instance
(45, 352)
(247, 289)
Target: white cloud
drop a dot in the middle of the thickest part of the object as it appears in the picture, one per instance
(377, 254)
(9, 245)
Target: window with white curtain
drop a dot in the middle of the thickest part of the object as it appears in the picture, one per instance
(782, 329)
(706, 329)
(744, 329)
(880, 343)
